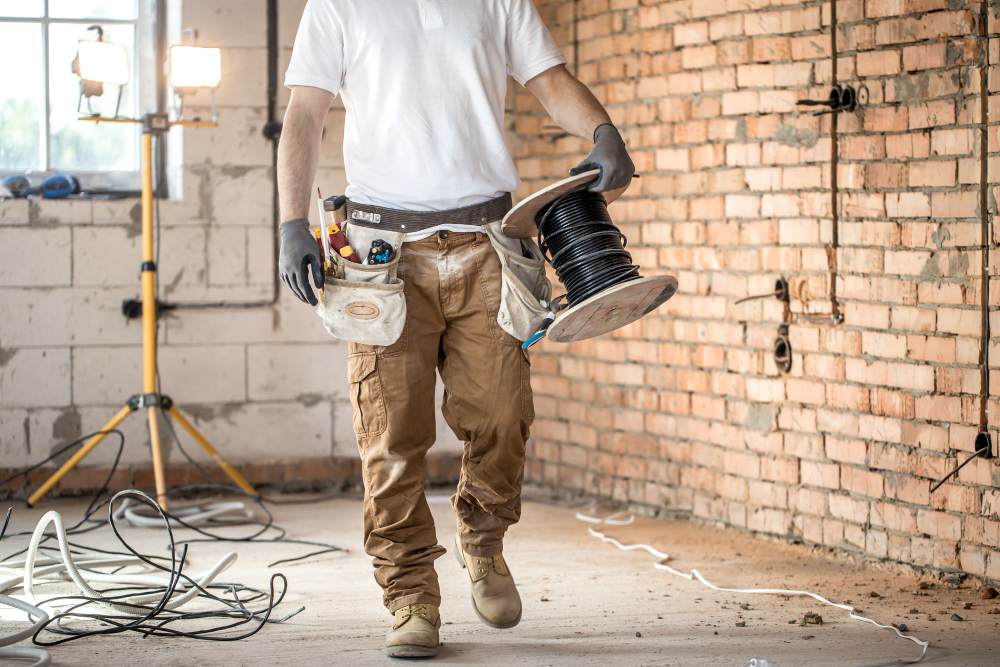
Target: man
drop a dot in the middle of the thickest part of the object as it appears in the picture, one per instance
(423, 83)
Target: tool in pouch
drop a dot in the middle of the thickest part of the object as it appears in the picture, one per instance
(525, 309)
(361, 303)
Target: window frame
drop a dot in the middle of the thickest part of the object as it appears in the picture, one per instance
(147, 80)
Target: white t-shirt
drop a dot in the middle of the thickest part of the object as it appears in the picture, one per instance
(423, 82)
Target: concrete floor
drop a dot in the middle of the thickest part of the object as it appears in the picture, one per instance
(585, 603)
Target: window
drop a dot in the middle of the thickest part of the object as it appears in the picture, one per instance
(40, 132)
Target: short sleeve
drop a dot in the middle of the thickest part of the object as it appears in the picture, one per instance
(318, 52)
(530, 47)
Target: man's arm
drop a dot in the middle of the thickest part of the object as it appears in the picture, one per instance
(569, 103)
(575, 109)
(298, 152)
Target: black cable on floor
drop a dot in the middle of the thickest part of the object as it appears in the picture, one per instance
(99, 500)
(158, 617)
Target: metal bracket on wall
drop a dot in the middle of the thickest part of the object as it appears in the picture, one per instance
(132, 308)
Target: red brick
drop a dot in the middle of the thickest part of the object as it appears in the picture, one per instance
(924, 56)
(878, 63)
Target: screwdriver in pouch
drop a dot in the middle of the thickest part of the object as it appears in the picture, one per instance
(336, 239)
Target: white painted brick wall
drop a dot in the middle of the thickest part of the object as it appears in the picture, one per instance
(35, 257)
(265, 383)
(32, 377)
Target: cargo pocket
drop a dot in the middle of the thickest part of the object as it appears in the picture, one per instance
(364, 304)
(525, 290)
(366, 395)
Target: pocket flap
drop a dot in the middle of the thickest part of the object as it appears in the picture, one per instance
(361, 366)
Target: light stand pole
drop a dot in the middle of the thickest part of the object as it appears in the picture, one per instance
(153, 125)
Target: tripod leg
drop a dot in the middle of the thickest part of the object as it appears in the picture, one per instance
(207, 446)
(79, 455)
(154, 442)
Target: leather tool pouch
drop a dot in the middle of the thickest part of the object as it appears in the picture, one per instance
(525, 289)
(364, 304)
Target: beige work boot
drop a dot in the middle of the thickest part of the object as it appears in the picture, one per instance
(414, 632)
(494, 595)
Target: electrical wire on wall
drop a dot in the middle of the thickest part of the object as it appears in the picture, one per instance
(835, 315)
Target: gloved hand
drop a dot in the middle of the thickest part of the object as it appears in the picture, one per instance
(298, 252)
(611, 157)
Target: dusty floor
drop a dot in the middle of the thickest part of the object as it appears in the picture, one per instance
(586, 603)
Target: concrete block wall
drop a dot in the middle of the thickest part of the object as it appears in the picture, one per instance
(266, 384)
(687, 410)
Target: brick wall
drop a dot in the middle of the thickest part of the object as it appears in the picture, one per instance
(265, 384)
(687, 410)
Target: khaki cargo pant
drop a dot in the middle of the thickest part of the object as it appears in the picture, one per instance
(452, 297)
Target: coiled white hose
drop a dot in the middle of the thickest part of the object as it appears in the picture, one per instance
(54, 518)
(41, 656)
(624, 518)
(54, 566)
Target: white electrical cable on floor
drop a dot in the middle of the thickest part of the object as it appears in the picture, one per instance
(40, 655)
(624, 518)
(147, 597)
(74, 573)
(52, 566)
(192, 516)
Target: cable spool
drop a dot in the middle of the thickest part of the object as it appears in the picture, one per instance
(604, 290)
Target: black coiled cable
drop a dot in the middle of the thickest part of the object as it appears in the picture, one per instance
(578, 238)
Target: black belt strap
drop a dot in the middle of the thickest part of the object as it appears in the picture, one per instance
(407, 222)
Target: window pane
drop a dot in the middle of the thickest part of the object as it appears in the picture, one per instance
(91, 9)
(21, 8)
(22, 97)
(85, 145)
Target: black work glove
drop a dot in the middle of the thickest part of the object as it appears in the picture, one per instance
(299, 251)
(611, 157)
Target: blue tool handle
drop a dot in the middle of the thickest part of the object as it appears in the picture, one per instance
(535, 337)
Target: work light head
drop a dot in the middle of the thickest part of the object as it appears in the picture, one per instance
(194, 67)
(102, 62)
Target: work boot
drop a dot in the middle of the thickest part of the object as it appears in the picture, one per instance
(494, 595)
(414, 632)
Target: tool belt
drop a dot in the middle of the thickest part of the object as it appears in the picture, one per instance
(407, 222)
(367, 304)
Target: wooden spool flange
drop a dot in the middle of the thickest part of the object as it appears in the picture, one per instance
(519, 223)
(613, 308)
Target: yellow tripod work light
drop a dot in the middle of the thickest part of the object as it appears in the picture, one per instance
(191, 68)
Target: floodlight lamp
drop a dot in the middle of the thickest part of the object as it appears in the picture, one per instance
(96, 63)
(101, 61)
(194, 67)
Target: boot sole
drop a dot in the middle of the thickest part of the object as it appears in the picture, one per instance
(410, 651)
(507, 626)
